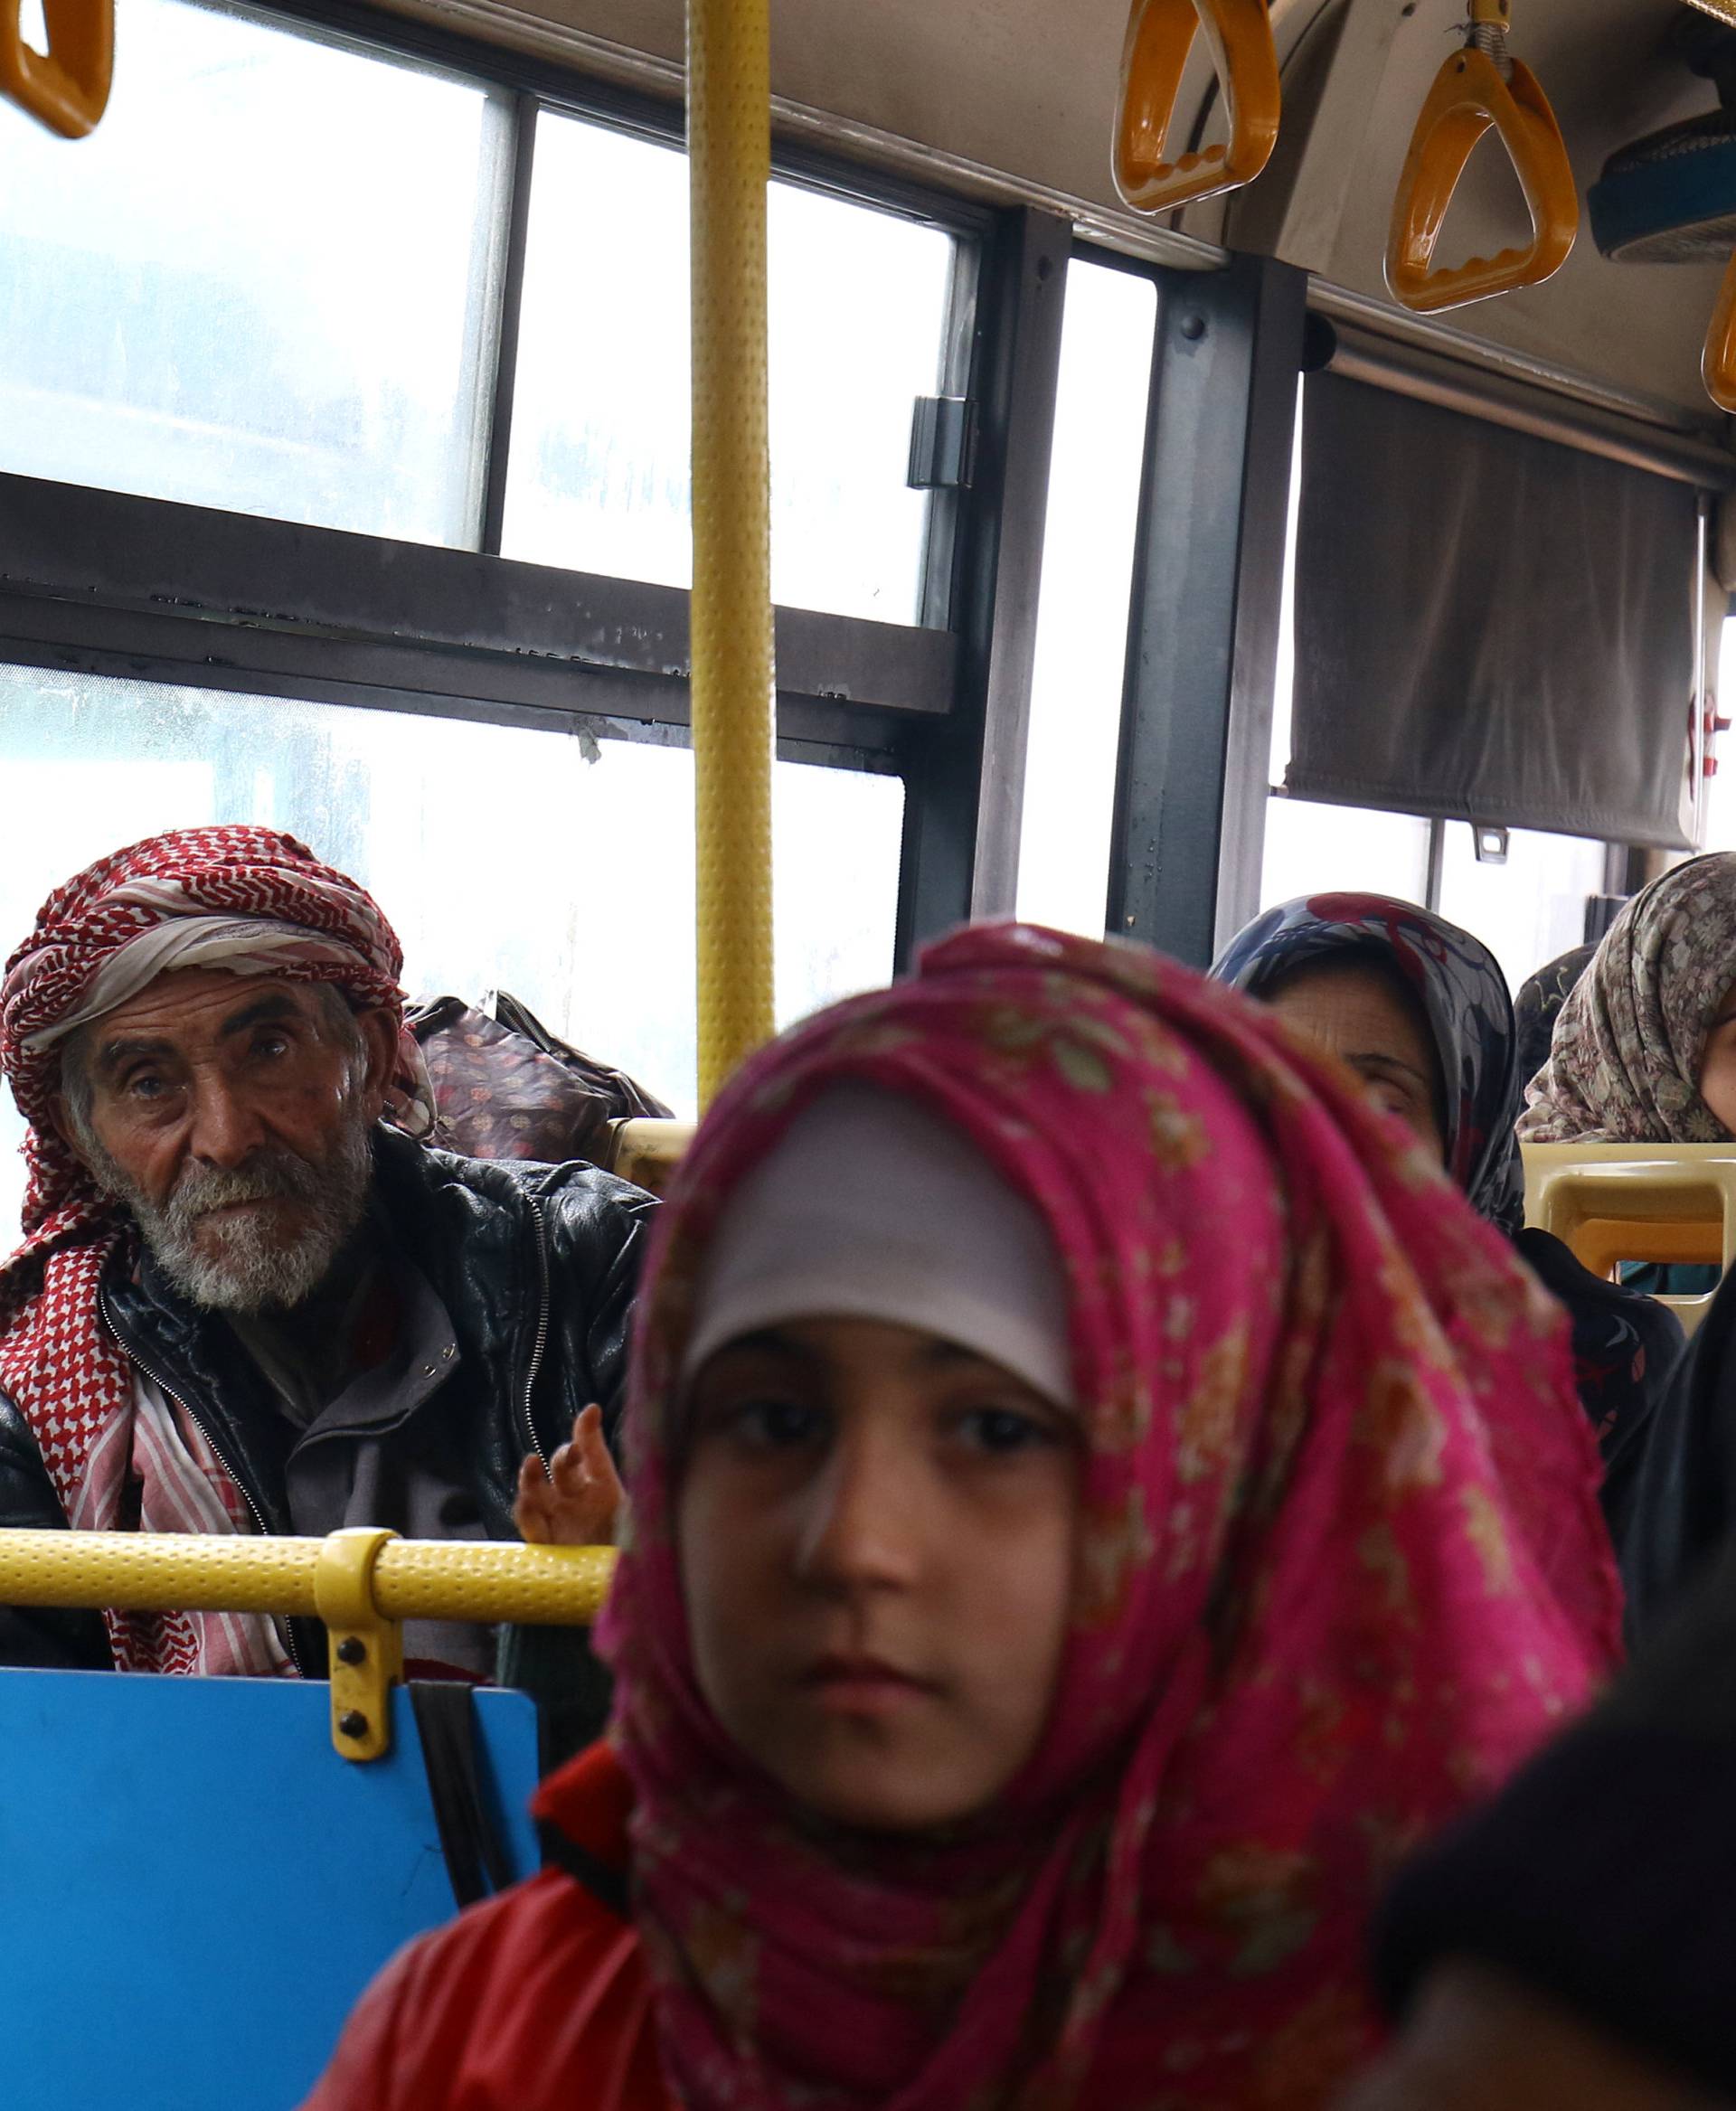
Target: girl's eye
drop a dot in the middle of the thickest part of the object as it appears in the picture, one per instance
(773, 1425)
(1005, 1429)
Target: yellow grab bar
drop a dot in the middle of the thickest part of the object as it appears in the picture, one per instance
(729, 144)
(1160, 36)
(1718, 363)
(363, 1582)
(1469, 95)
(67, 86)
(200, 1573)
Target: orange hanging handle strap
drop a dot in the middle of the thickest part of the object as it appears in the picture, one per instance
(1160, 36)
(1479, 87)
(67, 86)
(1719, 364)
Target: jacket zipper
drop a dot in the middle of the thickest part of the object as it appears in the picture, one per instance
(284, 1628)
(540, 1342)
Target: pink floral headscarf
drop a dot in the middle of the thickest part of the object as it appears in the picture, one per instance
(1342, 1569)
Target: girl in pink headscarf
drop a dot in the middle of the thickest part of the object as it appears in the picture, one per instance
(1098, 1499)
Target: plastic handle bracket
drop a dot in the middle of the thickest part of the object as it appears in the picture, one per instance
(1469, 96)
(1160, 36)
(367, 1654)
(67, 86)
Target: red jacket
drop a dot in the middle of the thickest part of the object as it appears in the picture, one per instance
(537, 2000)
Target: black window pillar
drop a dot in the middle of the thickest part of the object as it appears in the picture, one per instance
(1208, 587)
(967, 772)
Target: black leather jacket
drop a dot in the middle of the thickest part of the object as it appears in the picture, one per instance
(536, 1266)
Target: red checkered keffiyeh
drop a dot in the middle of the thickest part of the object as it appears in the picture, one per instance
(246, 898)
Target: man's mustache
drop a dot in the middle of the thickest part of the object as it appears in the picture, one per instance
(278, 1175)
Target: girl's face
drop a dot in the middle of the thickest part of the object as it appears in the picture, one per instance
(877, 1534)
(1718, 1063)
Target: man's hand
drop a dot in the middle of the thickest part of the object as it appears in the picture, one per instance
(577, 1500)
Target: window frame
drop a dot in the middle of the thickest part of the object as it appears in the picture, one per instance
(111, 582)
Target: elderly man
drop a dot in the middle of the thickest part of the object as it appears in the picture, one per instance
(245, 1302)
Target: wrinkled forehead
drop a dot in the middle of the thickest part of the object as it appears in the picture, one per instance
(190, 1009)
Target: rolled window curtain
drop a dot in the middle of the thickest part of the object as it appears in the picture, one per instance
(1490, 627)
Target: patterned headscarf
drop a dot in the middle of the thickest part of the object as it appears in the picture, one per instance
(1458, 986)
(246, 898)
(1538, 1003)
(1624, 1067)
(1342, 1567)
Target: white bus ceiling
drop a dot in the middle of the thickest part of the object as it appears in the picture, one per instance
(1015, 98)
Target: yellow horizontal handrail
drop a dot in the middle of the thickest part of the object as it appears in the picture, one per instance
(412, 1579)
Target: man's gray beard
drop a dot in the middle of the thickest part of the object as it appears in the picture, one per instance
(249, 1272)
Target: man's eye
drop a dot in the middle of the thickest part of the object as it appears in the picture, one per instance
(144, 1085)
(271, 1045)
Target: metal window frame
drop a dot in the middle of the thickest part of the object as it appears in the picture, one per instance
(331, 616)
(155, 590)
(1208, 589)
(965, 793)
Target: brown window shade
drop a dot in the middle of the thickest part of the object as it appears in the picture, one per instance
(1490, 627)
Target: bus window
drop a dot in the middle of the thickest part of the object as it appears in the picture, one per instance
(598, 478)
(1315, 848)
(1526, 911)
(305, 335)
(1312, 849)
(1082, 653)
(559, 868)
(1529, 910)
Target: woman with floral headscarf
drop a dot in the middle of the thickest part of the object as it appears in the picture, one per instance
(1419, 1010)
(1097, 1501)
(1645, 1052)
(1645, 1047)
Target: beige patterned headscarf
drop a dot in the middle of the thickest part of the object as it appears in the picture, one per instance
(1624, 1067)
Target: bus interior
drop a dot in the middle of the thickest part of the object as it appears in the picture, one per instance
(1141, 558)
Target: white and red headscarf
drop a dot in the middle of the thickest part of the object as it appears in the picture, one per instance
(249, 899)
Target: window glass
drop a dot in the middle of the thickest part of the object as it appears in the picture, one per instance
(1082, 653)
(1312, 849)
(262, 284)
(597, 476)
(1530, 908)
(502, 856)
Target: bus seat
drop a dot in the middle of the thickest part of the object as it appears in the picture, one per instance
(198, 1877)
(194, 1888)
(1614, 1203)
(647, 1151)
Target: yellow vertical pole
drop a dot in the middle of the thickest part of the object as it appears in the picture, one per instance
(729, 139)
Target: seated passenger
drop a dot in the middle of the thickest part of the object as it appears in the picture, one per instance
(1645, 1048)
(243, 1304)
(1419, 1010)
(1573, 1946)
(1538, 1004)
(1097, 1500)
